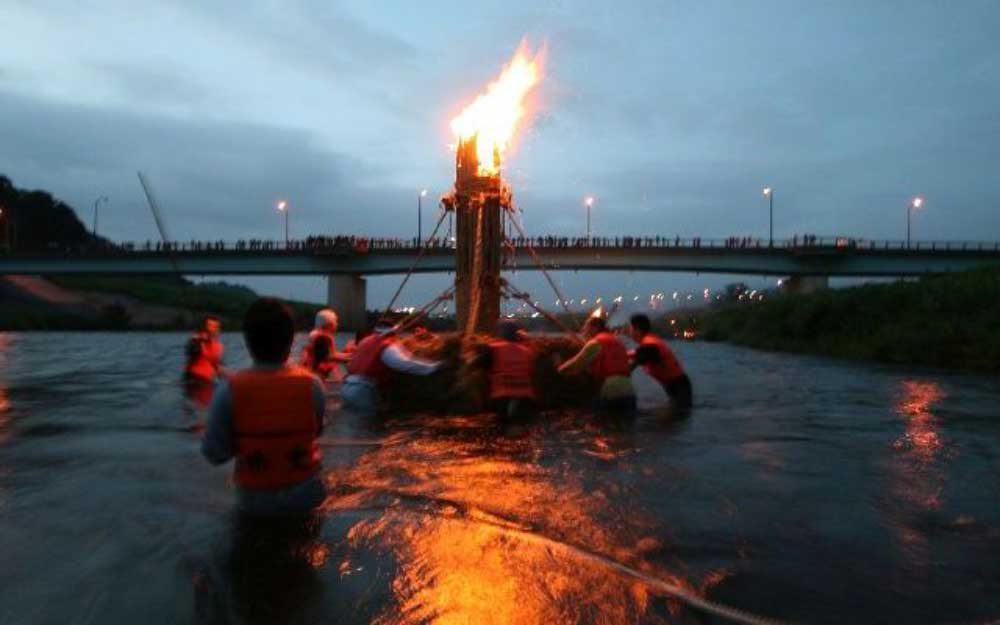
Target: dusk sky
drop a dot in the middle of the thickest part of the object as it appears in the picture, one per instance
(673, 114)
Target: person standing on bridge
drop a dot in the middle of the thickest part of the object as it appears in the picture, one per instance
(659, 361)
(268, 418)
(203, 360)
(606, 358)
(320, 354)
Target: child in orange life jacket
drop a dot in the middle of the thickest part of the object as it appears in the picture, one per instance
(320, 354)
(204, 351)
(606, 359)
(268, 418)
(659, 361)
(204, 360)
(511, 362)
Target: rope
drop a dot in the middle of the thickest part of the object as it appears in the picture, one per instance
(426, 309)
(409, 272)
(516, 293)
(687, 597)
(541, 266)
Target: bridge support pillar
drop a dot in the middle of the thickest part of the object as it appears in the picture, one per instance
(347, 294)
(806, 284)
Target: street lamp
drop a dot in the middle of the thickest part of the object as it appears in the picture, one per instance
(769, 194)
(420, 212)
(914, 204)
(97, 203)
(283, 208)
(588, 201)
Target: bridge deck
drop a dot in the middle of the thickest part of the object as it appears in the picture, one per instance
(363, 257)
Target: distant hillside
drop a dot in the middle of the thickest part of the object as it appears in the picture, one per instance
(949, 320)
(39, 222)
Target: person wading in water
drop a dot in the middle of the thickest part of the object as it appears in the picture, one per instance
(320, 354)
(510, 360)
(659, 361)
(606, 359)
(203, 364)
(268, 418)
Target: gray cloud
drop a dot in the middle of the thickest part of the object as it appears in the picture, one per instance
(674, 115)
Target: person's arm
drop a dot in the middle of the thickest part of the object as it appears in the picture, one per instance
(398, 358)
(582, 360)
(217, 442)
(319, 399)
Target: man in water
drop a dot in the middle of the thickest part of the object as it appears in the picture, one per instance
(319, 354)
(268, 418)
(659, 361)
(373, 364)
(204, 360)
(606, 359)
(511, 360)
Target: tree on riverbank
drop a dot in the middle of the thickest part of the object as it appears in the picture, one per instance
(949, 320)
(39, 221)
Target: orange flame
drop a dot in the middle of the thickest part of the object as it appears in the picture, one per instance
(495, 114)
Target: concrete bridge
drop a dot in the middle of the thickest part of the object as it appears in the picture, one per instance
(347, 260)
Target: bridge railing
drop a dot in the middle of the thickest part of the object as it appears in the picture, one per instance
(353, 245)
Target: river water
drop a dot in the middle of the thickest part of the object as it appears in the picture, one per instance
(800, 488)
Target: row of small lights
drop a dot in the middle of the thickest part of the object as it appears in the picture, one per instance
(654, 300)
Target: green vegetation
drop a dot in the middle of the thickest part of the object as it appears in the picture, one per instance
(34, 221)
(950, 321)
(227, 301)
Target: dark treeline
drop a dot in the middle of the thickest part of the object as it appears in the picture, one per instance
(36, 221)
(949, 321)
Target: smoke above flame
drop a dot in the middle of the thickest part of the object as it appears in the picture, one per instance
(494, 116)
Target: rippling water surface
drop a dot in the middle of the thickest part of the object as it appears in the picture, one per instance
(800, 488)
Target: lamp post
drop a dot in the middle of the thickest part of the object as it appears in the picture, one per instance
(420, 212)
(588, 201)
(914, 204)
(97, 204)
(769, 194)
(283, 208)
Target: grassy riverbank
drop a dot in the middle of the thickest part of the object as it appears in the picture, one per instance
(948, 321)
(127, 303)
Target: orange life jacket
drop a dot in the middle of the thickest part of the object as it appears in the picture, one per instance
(274, 428)
(367, 359)
(512, 374)
(326, 368)
(668, 369)
(611, 360)
(205, 360)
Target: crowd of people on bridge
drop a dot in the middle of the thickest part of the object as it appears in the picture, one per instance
(349, 244)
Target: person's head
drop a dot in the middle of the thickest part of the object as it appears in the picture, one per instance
(326, 321)
(594, 326)
(639, 325)
(211, 325)
(268, 329)
(509, 330)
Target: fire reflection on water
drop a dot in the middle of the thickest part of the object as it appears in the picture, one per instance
(921, 438)
(918, 474)
(5, 342)
(486, 535)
